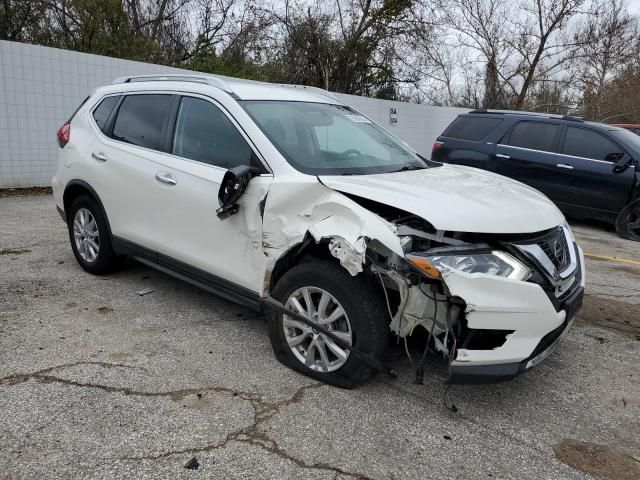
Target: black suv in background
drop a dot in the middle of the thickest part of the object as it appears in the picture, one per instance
(589, 169)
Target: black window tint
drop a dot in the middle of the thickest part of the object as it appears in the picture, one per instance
(103, 110)
(581, 142)
(471, 128)
(205, 134)
(534, 135)
(140, 120)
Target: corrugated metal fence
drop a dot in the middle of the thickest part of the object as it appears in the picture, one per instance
(41, 86)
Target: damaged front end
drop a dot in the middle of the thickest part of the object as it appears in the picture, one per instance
(491, 305)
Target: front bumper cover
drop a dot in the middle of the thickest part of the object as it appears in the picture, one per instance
(493, 373)
(538, 318)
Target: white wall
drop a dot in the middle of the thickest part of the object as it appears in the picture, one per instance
(40, 87)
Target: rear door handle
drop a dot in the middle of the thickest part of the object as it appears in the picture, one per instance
(502, 155)
(166, 178)
(565, 166)
(100, 156)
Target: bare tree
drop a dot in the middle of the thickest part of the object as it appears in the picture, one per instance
(606, 48)
(519, 43)
(347, 45)
(479, 26)
(542, 48)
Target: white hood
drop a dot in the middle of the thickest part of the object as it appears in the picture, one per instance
(456, 198)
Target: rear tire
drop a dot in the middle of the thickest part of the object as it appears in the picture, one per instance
(364, 322)
(628, 222)
(90, 238)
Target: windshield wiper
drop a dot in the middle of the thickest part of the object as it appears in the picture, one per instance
(415, 166)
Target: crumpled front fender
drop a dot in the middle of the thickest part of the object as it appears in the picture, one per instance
(299, 207)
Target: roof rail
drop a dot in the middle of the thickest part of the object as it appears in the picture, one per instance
(573, 119)
(177, 77)
(521, 112)
(318, 90)
(511, 112)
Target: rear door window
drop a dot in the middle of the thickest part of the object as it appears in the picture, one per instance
(141, 119)
(534, 136)
(103, 110)
(471, 128)
(205, 134)
(581, 142)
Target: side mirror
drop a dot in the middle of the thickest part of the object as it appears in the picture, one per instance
(622, 161)
(234, 183)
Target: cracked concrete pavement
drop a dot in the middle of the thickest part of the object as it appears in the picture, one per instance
(98, 382)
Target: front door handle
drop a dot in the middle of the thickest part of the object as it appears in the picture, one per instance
(166, 178)
(502, 155)
(100, 156)
(565, 166)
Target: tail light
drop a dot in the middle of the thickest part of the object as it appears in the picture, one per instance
(63, 134)
(437, 145)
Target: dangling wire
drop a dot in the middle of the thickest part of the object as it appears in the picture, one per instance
(453, 407)
(406, 349)
(420, 370)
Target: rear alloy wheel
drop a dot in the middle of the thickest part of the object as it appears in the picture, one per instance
(628, 222)
(90, 238)
(86, 235)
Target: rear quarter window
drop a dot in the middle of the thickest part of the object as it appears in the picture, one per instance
(471, 128)
(103, 110)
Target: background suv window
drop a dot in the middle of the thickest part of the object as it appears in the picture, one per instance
(533, 135)
(203, 133)
(581, 142)
(103, 110)
(140, 120)
(471, 128)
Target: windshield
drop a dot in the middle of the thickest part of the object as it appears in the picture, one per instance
(322, 139)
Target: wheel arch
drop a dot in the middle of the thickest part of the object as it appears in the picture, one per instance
(307, 248)
(73, 190)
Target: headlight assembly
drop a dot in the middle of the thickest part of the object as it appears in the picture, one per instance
(494, 263)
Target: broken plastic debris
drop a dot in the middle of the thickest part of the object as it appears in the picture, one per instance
(145, 291)
(192, 464)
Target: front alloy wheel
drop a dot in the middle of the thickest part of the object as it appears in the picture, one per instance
(314, 349)
(351, 308)
(628, 222)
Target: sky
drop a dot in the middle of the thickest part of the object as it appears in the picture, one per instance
(634, 6)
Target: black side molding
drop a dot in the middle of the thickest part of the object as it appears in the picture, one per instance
(62, 214)
(187, 273)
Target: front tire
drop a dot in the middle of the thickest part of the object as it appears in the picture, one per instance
(324, 292)
(628, 222)
(90, 238)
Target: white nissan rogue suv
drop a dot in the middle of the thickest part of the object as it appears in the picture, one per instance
(283, 199)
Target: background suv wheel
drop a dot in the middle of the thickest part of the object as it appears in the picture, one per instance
(628, 222)
(89, 236)
(350, 307)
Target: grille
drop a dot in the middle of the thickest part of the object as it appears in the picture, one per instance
(556, 249)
